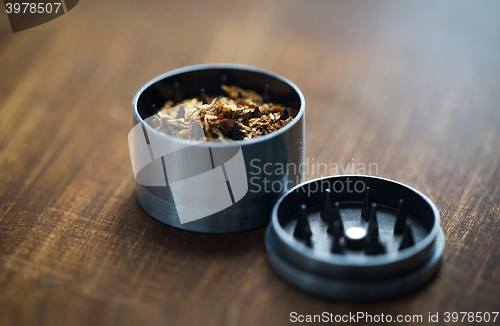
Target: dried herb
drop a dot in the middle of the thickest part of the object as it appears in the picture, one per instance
(238, 115)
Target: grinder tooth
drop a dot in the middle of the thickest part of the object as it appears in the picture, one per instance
(302, 229)
(309, 242)
(326, 212)
(154, 110)
(181, 113)
(336, 214)
(373, 223)
(284, 114)
(265, 94)
(336, 228)
(374, 246)
(400, 225)
(196, 130)
(236, 132)
(337, 247)
(365, 212)
(202, 95)
(407, 238)
(223, 79)
(177, 93)
(256, 112)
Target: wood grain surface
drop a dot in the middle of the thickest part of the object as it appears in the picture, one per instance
(411, 86)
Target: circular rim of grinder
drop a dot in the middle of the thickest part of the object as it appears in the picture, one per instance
(377, 269)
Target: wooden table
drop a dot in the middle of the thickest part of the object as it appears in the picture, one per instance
(411, 86)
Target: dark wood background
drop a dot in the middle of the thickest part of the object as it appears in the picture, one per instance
(411, 86)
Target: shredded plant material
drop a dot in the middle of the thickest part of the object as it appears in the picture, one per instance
(239, 115)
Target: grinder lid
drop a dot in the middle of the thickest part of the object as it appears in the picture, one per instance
(355, 237)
